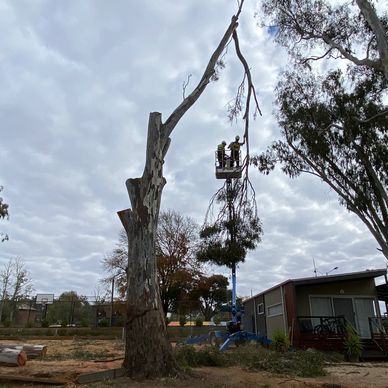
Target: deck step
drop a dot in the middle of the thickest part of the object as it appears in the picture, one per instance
(368, 355)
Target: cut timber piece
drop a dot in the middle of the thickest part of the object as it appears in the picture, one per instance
(104, 375)
(32, 351)
(12, 357)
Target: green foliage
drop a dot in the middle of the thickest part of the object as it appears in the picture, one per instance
(236, 230)
(187, 356)
(281, 343)
(353, 344)
(103, 322)
(182, 320)
(217, 319)
(212, 293)
(333, 119)
(199, 322)
(299, 363)
(254, 357)
(7, 323)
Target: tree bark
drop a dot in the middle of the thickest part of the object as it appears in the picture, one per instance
(12, 357)
(377, 27)
(31, 351)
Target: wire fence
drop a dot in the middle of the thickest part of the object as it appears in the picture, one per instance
(83, 311)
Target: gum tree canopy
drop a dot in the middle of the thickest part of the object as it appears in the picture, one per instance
(148, 352)
(335, 122)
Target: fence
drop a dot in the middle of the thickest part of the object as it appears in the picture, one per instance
(71, 311)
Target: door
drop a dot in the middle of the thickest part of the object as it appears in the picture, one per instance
(321, 307)
(344, 306)
(365, 308)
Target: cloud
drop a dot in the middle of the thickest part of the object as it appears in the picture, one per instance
(78, 82)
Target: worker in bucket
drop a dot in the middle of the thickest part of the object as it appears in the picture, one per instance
(234, 147)
(221, 154)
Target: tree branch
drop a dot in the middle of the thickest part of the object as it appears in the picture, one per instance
(189, 101)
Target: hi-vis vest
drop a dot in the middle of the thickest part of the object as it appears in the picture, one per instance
(235, 146)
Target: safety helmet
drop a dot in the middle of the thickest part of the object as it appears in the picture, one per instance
(223, 142)
(237, 137)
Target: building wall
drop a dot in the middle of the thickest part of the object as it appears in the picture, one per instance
(24, 318)
(276, 321)
(362, 287)
(249, 314)
(252, 320)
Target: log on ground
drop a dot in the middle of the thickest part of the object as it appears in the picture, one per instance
(32, 351)
(12, 357)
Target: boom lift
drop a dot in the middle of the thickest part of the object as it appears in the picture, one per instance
(228, 167)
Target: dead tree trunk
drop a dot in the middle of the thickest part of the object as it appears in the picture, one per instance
(148, 352)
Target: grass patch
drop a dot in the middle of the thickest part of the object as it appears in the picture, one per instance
(256, 358)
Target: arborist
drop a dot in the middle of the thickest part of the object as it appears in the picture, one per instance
(234, 147)
(221, 154)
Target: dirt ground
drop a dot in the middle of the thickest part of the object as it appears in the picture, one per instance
(66, 359)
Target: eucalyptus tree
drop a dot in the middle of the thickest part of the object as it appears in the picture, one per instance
(331, 103)
(148, 351)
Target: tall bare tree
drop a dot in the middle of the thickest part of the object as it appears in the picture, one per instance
(5, 279)
(148, 351)
(16, 285)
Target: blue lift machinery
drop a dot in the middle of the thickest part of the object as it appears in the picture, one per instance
(228, 166)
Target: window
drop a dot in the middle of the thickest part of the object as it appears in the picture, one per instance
(260, 308)
(275, 309)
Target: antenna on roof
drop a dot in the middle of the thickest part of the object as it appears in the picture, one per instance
(315, 268)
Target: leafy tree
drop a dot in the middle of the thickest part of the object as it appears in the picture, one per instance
(212, 293)
(315, 29)
(177, 268)
(3, 215)
(69, 308)
(334, 122)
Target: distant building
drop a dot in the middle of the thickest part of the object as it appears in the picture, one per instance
(25, 316)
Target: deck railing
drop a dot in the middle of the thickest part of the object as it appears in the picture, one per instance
(322, 325)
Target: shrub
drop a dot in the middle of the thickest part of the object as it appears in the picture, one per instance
(7, 323)
(45, 323)
(217, 319)
(198, 322)
(182, 320)
(281, 343)
(353, 345)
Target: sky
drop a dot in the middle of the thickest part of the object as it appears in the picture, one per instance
(78, 80)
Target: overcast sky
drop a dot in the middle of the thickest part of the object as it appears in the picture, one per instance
(78, 80)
